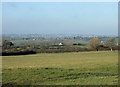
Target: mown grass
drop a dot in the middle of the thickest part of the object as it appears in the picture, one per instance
(82, 68)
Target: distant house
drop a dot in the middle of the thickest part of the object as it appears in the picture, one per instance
(34, 39)
(60, 44)
(102, 42)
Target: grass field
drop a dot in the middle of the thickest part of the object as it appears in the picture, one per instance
(82, 68)
(19, 42)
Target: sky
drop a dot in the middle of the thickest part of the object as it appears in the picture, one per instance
(89, 18)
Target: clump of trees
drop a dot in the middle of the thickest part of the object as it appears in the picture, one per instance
(68, 42)
(112, 43)
(7, 44)
(8, 48)
(96, 44)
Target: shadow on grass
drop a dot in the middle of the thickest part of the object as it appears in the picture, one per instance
(18, 53)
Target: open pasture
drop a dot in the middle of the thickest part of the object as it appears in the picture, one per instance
(77, 68)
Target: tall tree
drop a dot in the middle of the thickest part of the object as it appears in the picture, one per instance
(6, 44)
(111, 43)
(94, 43)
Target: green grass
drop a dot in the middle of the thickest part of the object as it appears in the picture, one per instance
(82, 68)
(17, 42)
(81, 41)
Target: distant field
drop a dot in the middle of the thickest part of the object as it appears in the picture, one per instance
(82, 68)
(38, 42)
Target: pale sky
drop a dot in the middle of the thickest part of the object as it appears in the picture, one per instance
(99, 18)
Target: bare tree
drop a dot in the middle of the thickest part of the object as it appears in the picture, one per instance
(111, 43)
(68, 42)
(94, 43)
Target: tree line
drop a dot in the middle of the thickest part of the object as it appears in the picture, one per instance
(8, 48)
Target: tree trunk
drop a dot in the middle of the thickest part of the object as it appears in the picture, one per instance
(97, 49)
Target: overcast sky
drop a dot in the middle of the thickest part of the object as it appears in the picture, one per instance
(98, 18)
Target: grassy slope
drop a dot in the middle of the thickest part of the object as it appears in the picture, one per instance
(83, 68)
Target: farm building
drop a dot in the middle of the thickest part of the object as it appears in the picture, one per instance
(60, 44)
